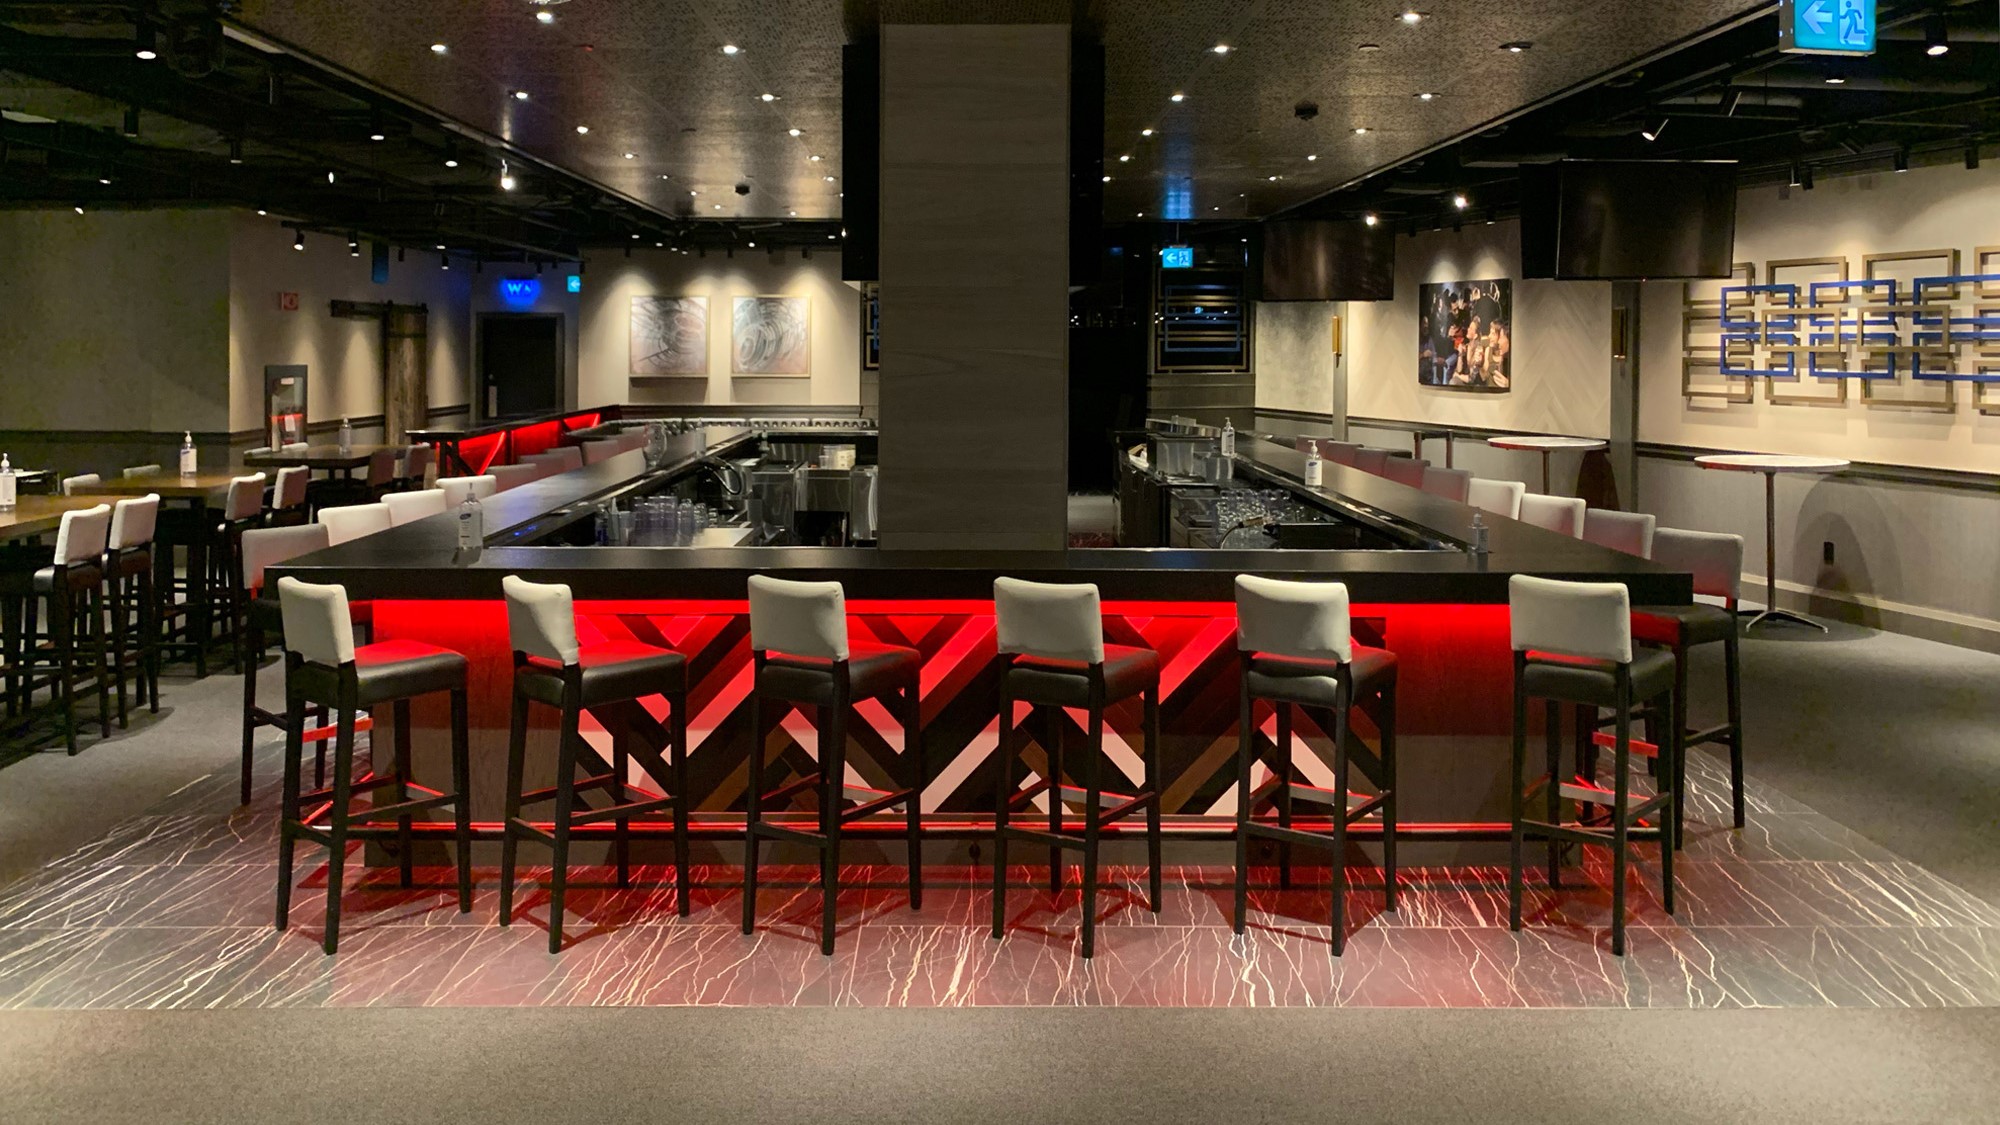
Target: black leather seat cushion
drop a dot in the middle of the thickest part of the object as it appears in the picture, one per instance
(872, 670)
(1692, 624)
(1313, 683)
(401, 669)
(1066, 683)
(1595, 682)
(613, 671)
(77, 577)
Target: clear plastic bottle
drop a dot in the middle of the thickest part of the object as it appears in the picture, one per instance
(7, 484)
(346, 434)
(188, 457)
(1315, 468)
(1228, 438)
(1479, 534)
(471, 523)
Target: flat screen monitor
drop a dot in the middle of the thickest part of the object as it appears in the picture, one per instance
(1316, 260)
(1628, 219)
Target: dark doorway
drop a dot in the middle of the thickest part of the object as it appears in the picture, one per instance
(520, 363)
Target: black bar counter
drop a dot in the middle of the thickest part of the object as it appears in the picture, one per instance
(421, 560)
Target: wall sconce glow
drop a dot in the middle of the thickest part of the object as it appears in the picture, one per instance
(574, 283)
(520, 292)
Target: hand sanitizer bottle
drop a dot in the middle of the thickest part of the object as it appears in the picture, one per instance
(7, 483)
(1228, 438)
(1479, 533)
(187, 453)
(471, 524)
(346, 434)
(1315, 468)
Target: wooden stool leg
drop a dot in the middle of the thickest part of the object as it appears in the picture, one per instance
(1093, 752)
(833, 773)
(1621, 791)
(510, 836)
(1517, 799)
(1387, 746)
(250, 720)
(1670, 816)
(343, 796)
(1282, 766)
(1055, 726)
(1733, 671)
(288, 816)
(461, 784)
(1003, 788)
(1671, 773)
(1552, 735)
(622, 826)
(565, 811)
(913, 812)
(1339, 863)
(1151, 749)
(98, 648)
(118, 632)
(405, 842)
(755, 804)
(1245, 732)
(677, 728)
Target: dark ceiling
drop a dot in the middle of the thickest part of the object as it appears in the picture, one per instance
(298, 89)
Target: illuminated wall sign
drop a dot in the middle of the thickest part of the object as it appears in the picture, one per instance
(576, 283)
(520, 290)
(1826, 27)
(1176, 257)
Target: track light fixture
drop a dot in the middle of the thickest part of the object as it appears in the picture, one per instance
(353, 244)
(1370, 218)
(1730, 100)
(1937, 37)
(1653, 134)
(236, 150)
(1972, 155)
(1806, 177)
(1798, 173)
(1460, 202)
(299, 240)
(507, 181)
(131, 124)
(146, 46)
(1902, 159)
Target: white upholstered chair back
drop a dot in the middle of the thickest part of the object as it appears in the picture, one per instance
(1592, 620)
(1630, 532)
(798, 618)
(133, 521)
(1501, 497)
(409, 507)
(541, 619)
(1309, 620)
(346, 524)
(82, 536)
(1560, 514)
(317, 625)
(1054, 621)
(1715, 560)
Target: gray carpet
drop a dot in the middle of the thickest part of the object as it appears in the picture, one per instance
(999, 1065)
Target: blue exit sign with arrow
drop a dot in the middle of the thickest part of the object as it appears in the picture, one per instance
(1826, 27)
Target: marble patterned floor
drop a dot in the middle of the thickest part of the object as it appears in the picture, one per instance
(173, 910)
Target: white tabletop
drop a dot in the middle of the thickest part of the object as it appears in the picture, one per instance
(1543, 444)
(1772, 463)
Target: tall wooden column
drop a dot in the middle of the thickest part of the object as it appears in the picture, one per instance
(975, 299)
(405, 370)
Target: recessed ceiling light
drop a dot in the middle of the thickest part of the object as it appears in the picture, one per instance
(1516, 47)
(635, 238)
(439, 48)
(792, 132)
(1215, 208)
(78, 208)
(753, 244)
(1177, 97)
(105, 180)
(1835, 80)
(1459, 201)
(146, 49)
(1412, 17)
(631, 156)
(731, 49)
(664, 176)
(691, 191)
(451, 161)
(582, 130)
(1426, 96)
(545, 17)
(1370, 218)
(329, 177)
(1107, 179)
(829, 179)
(718, 207)
(520, 95)
(793, 214)
(1273, 179)
(440, 245)
(815, 158)
(1124, 159)
(767, 97)
(507, 181)
(1361, 130)
(1368, 47)
(1312, 156)
(261, 211)
(1220, 48)
(1142, 214)
(1145, 132)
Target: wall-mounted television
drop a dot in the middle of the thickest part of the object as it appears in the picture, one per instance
(1317, 260)
(1628, 219)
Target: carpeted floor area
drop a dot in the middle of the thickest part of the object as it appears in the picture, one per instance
(1005, 1065)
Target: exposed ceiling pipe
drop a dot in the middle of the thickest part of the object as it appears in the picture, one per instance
(1769, 98)
(1814, 80)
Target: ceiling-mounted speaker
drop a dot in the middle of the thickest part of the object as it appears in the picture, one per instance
(861, 159)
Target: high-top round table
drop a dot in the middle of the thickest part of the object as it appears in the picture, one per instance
(1771, 464)
(1545, 446)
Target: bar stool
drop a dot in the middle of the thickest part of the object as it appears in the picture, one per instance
(1573, 644)
(1405, 470)
(323, 666)
(242, 509)
(602, 449)
(288, 496)
(264, 548)
(1630, 532)
(1500, 497)
(128, 579)
(409, 507)
(139, 471)
(1560, 514)
(381, 476)
(1296, 643)
(72, 587)
(514, 476)
(354, 521)
(801, 657)
(456, 489)
(1052, 654)
(1372, 461)
(416, 467)
(551, 667)
(80, 484)
(1452, 484)
(1716, 561)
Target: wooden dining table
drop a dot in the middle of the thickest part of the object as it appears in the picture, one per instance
(320, 458)
(184, 507)
(39, 515)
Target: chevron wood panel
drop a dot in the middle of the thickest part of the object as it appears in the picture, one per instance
(1454, 694)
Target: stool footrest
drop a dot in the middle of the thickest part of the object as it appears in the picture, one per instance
(1028, 793)
(1314, 793)
(882, 800)
(1588, 834)
(796, 835)
(615, 812)
(393, 812)
(600, 781)
(1580, 790)
(1723, 734)
(1078, 795)
(331, 730)
(528, 828)
(785, 792)
(1640, 747)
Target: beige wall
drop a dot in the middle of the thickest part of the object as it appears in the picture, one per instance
(1849, 216)
(1293, 352)
(1562, 350)
(114, 320)
(604, 356)
(343, 357)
